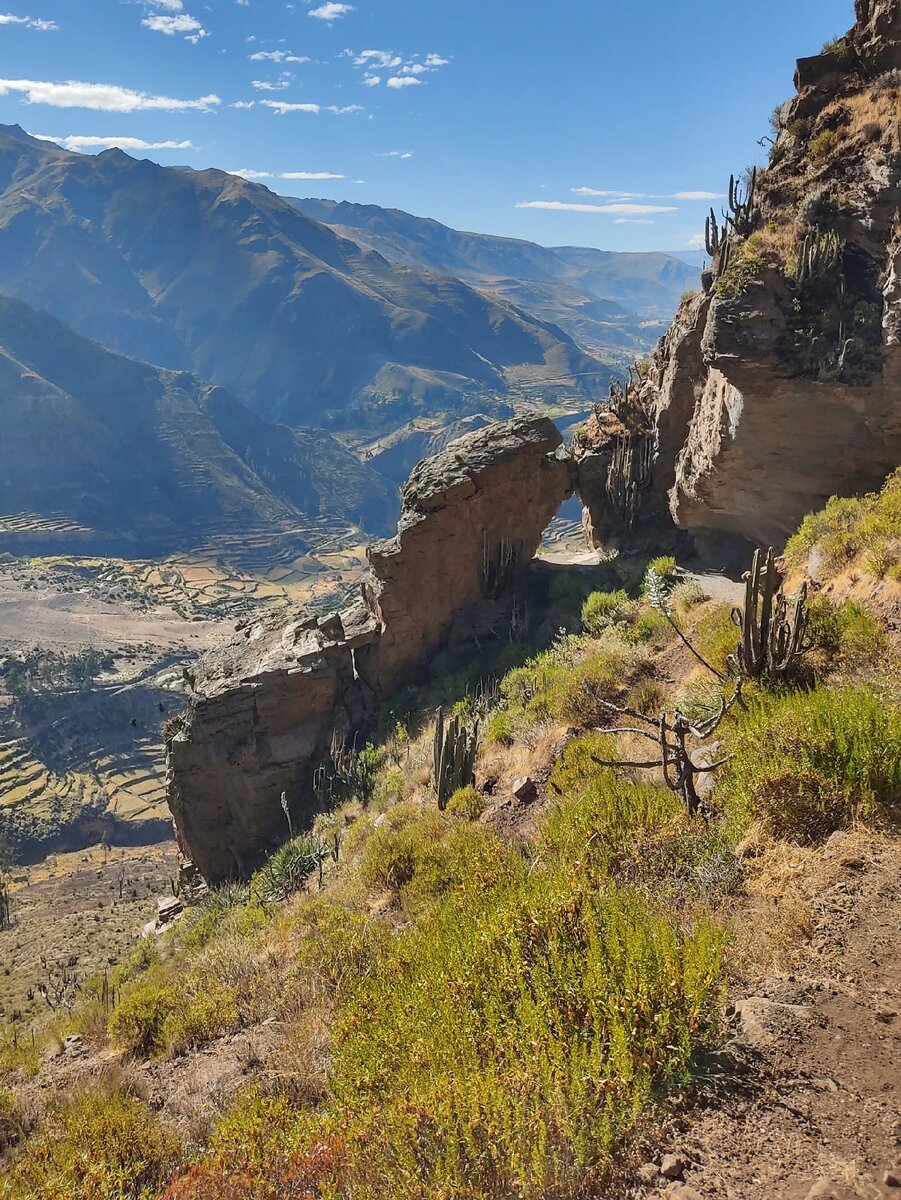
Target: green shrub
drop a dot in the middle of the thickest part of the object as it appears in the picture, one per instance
(95, 1147)
(499, 730)
(287, 870)
(808, 763)
(665, 567)
(467, 802)
(602, 609)
(822, 145)
(687, 595)
(201, 923)
(649, 627)
(715, 636)
(12, 1123)
(847, 633)
(137, 1022)
(507, 1042)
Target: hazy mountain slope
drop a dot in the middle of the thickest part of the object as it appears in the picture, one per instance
(150, 458)
(204, 271)
(612, 304)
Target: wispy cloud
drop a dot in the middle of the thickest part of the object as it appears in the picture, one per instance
(330, 12)
(403, 81)
(28, 22)
(395, 154)
(278, 56)
(283, 106)
(621, 195)
(698, 196)
(622, 209)
(633, 221)
(172, 6)
(244, 104)
(93, 142)
(103, 97)
(247, 173)
(344, 110)
(266, 85)
(372, 81)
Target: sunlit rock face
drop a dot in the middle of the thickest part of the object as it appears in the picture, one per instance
(267, 704)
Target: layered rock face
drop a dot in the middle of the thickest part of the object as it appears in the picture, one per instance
(779, 384)
(267, 705)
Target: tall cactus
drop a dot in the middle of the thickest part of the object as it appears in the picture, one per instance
(772, 626)
(818, 254)
(744, 215)
(628, 475)
(453, 755)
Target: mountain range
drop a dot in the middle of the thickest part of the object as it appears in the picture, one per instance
(143, 459)
(614, 305)
(204, 271)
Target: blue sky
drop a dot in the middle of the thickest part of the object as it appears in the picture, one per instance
(490, 115)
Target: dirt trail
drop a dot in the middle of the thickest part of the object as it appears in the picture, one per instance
(805, 1101)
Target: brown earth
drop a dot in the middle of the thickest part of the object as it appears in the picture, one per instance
(803, 1101)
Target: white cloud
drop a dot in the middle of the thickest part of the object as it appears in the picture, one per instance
(172, 6)
(282, 107)
(244, 104)
(247, 173)
(395, 154)
(28, 22)
(632, 221)
(92, 142)
(407, 70)
(103, 97)
(618, 209)
(620, 195)
(698, 196)
(182, 23)
(587, 191)
(697, 242)
(386, 60)
(277, 56)
(347, 109)
(331, 11)
(265, 85)
(310, 175)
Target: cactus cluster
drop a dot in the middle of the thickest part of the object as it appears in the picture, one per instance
(346, 772)
(772, 626)
(629, 475)
(740, 220)
(817, 255)
(454, 755)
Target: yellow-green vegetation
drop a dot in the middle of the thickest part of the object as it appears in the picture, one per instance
(807, 763)
(472, 1014)
(745, 265)
(822, 145)
(96, 1146)
(864, 532)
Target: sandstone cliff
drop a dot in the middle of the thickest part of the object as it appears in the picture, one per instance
(778, 385)
(267, 705)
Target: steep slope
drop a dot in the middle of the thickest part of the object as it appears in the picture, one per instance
(611, 304)
(778, 386)
(143, 459)
(207, 272)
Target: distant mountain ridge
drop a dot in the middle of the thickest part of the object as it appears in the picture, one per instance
(203, 271)
(144, 459)
(610, 302)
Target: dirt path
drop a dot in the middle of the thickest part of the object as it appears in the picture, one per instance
(805, 1101)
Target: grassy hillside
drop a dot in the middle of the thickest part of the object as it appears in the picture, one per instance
(486, 1001)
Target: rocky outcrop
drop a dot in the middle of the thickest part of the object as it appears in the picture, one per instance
(778, 385)
(267, 705)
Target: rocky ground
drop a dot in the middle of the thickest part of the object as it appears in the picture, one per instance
(804, 1100)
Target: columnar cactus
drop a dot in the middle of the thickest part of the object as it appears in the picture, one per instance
(453, 755)
(772, 626)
